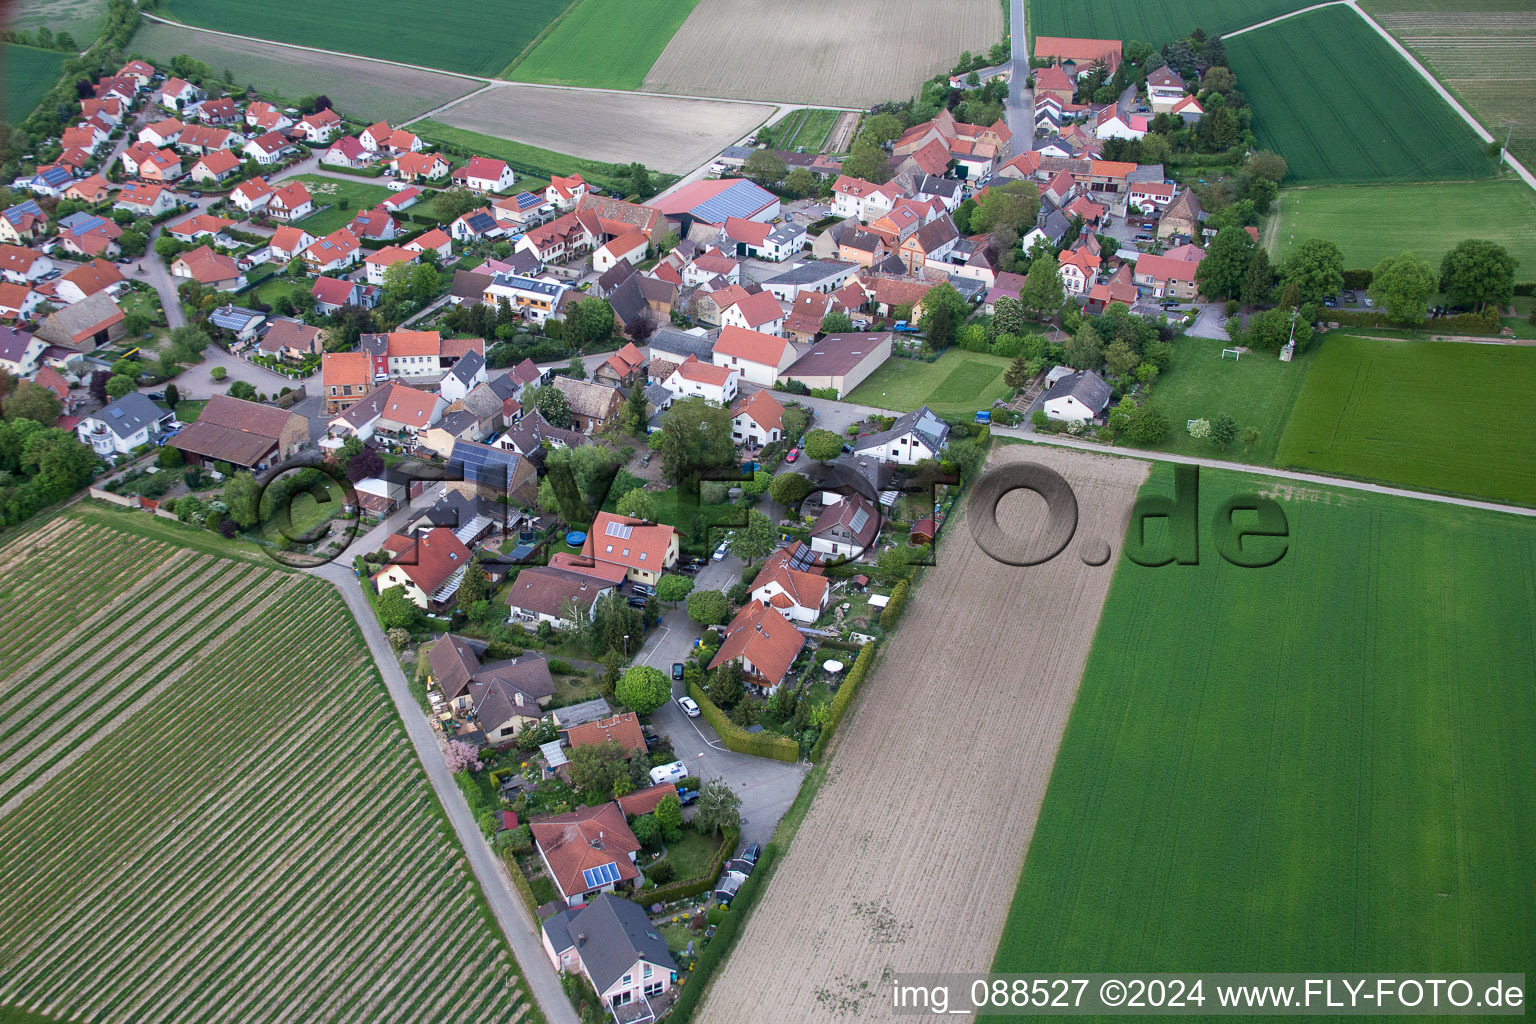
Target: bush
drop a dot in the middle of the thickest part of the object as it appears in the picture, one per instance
(762, 744)
(560, 666)
(661, 873)
(838, 706)
(688, 887)
(726, 932)
(892, 611)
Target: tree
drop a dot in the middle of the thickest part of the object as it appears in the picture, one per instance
(1316, 268)
(765, 168)
(366, 463)
(638, 504)
(172, 396)
(587, 322)
(1042, 292)
(453, 203)
(461, 757)
(32, 401)
(242, 389)
(789, 489)
(1402, 285)
(695, 436)
(882, 128)
(575, 369)
(1266, 164)
(475, 587)
(708, 607)
(674, 588)
(240, 495)
(1223, 430)
(1013, 205)
(218, 373)
(612, 620)
(119, 386)
(97, 385)
(133, 244)
(647, 831)
(795, 420)
(1225, 267)
(836, 322)
(725, 685)
(1200, 429)
(718, 810)
(169, 458)
(823, 445)
(596, 767)
(1085, 349)
(643, 689)
(1476, 273)
(669, 815)
(939, 324)
(1008, 317)
(1250, 438)
(755, 539)
(1148, 426)
(965, 457)
(1258, 280)
(867, 161)
(1121, 358)
(551, 403)
(396, 611)
(801, 183)
(1019, 373)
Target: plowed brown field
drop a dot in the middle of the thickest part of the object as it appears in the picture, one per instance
(909, 856)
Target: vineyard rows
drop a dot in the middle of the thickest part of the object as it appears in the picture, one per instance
(208, 809)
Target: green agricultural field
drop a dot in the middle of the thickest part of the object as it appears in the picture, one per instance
(1322, 764)
(28, 74)
(475, 37)
(362, 88)
(807, 128)
(524, 159)
(345, 198)
(1371, 222)
(250, 797)
(1149, 23)
(1393, 127)
(608, 44)
(956, 384)
(82, 19)
(1441, 416)
(1257, 390)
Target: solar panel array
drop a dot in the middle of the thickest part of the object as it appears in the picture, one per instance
(742, 199)
(858, 519)
(802, 559)
(603, 874)
(620, 530)
(232, 318)
(483, 464)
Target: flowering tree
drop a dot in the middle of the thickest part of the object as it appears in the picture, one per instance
(462, 757)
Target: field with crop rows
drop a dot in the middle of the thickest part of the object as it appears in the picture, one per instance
(208, 808)
(1331, 96)
(896, 871)
(361, 88)
(1370, 222)
(1155, 24)
(806, 51)
(1326, 761)
(28, 74)
(807, 127)
(1424, 414)
(1484, 51)
(476, 37)
(607, 44)
(663, 132)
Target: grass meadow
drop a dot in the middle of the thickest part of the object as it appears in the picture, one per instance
(356, 195)
(1333, 97)
(808, 128)
(608, 44)
(80, 18)
(527, 161)
(1257, 390)
(1439, 416)
(208, 807)
(1319, 765)
(1372, 222)
(27, 75)
(474, 37)
(956, 384)
(1149, 23)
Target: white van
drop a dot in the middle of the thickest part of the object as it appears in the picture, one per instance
(674, 772)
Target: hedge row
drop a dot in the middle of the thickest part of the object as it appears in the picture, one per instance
(762, 744)
(1464, 323)
(892, 611)
(520, 883)
(844, 697)
(675, 891)
(726, 933)
(371, 171)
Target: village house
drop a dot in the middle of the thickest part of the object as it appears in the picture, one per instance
(119, 427)
(210, 268)
(612, 943)
(347, 151)
(757, 420)
(291, 340)
(565, 192)
(587, 852)
(501, 698)
(764, 643)
(757, 356)
(336, 251)
(413, 166)
(318, 127)
(696, 379)
(241, 322)
(212, 168)
(1077, 397)
(791, 583)
(1170, 277)
(86, 325)
(20, 353)
(913, 437)
(1182, 218)
(199, 225)
(644, 549)
(88, 279)
(592, 405)
(841, 362)
(269, 148)
(759, 312)
(553, 595)
(622, 368)
(243, 434)
(252, 194)
(265, 117)
(291, 202)
(85, 234)
(483, 174)
(429, 569)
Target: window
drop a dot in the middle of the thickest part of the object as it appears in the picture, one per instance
(629, 979)
(646, 971)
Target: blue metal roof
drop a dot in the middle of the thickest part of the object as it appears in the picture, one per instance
(742, 199)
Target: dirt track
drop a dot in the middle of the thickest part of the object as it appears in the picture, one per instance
(910, 854)
(672, 135)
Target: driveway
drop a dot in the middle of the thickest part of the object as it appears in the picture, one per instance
(766, 787)
(1211, 323)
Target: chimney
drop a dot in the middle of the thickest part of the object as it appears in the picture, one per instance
(581, 938)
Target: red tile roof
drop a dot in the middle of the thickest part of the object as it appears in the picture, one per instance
(583, 839)
(760, 308)
(429, 561)
(763, 408)
(765, 638)
(623, 729)
(633, 543)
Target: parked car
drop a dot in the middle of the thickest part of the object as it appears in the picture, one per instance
(689, 568)
(669, 772)
(677, 670)
(397, 186)
(794, 453)
(1143, 238)
(156, 396)
(720, 552)
(752, 852)
(689, 707)
(902, 327)
(637, 602)
(859, 323)
(1330, 303)
(643, 589)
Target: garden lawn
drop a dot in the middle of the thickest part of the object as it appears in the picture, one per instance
(1372, 222)
(1441, 416)
(346, 200)
(608, 44)
(1323, 762)
(525, 160)
(1394, 126)
(691, 855)
(28, 74)
(1149, 23)
(1257, 390)
(275, 287)
(956, 384)
(476, 37)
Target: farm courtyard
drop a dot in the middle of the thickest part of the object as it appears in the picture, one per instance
(203, 784)
(1325, 761)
